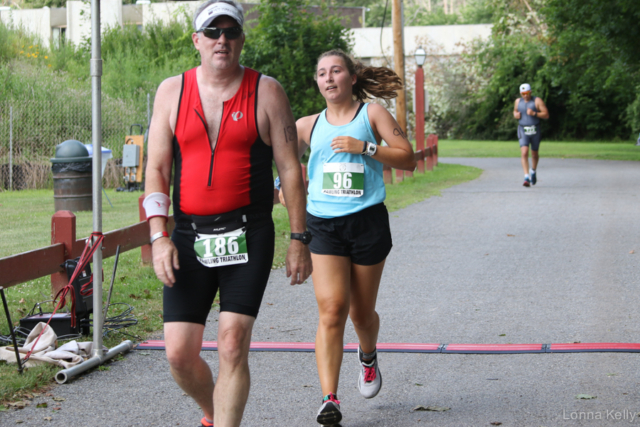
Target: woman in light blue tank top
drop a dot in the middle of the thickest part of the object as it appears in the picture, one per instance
(346, 214)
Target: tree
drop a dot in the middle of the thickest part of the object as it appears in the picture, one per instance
(286, 43)
(595, 58)
(581, 56)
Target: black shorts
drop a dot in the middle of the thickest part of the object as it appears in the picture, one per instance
(241, 286)
(364, 236)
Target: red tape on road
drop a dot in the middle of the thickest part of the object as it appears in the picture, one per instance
(428, 348)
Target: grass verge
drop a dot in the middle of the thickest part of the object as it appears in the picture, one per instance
(569, 150)
(27, 219)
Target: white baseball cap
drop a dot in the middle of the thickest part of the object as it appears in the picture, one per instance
(525, 87)
(211, 12)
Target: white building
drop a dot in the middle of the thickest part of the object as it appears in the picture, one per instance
(73, 23)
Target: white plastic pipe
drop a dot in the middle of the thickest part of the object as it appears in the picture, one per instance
(64, 375)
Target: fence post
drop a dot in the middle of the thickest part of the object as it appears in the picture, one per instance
(429, 152)
(145, 250)
(63, 230)
(386, 174)
(435, 150)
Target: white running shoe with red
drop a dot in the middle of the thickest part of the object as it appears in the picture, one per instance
(369, 380)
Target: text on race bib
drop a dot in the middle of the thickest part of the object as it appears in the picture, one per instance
(530, 130)
(343, 179)
(217, 250)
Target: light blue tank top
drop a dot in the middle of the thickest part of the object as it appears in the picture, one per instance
(341, 184)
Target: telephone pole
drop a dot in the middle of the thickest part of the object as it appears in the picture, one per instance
(398, 65)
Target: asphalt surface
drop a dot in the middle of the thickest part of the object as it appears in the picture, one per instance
(488, 262)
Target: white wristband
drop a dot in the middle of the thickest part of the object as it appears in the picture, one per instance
(156, 204)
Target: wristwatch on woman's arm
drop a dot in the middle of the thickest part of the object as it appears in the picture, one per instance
(371, 149)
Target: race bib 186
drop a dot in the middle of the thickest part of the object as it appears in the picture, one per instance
(343, 179)
(530, 130)
(217, 250)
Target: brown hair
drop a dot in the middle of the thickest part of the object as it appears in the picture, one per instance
(371, 82)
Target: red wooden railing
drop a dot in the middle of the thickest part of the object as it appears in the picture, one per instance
(45, 261)
(430, 154)
(20, 268)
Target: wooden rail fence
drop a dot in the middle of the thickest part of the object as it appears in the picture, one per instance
(20, 268)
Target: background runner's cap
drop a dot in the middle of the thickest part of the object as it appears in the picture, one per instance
(208, 15)
(525, 87)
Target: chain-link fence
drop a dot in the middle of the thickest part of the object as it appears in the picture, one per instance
(31, 129)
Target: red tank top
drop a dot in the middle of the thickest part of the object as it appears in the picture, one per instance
(237, 173)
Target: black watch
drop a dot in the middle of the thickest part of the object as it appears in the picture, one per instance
(305, 237)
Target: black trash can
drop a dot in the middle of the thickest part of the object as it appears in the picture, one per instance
(72, 177)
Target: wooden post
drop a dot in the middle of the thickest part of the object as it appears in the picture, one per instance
(435, 150)
(145, 250)
(386, 174)
(429, 153)
(398, 65)
(420, 114)
(63, 230)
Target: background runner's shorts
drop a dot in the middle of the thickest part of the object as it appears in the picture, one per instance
(241, 286)
(363, 236)
(526, 140)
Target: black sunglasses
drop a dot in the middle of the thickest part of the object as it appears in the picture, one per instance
(214, 33)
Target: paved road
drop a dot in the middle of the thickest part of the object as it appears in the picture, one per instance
(488, 262)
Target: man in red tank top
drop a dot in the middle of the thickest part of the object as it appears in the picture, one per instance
(220, 124)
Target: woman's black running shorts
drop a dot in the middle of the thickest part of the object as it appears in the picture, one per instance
(364, 236)
(241, 286)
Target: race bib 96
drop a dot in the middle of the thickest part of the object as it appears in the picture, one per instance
(343, 179)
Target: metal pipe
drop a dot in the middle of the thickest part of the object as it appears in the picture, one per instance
(13, 334)
(11, 148)
(64, 375)
(113, 278)
(96, 115)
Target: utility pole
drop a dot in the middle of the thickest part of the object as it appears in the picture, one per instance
(398, 65)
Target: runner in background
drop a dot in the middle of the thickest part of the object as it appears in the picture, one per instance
(528, 110)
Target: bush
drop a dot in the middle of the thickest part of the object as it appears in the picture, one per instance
(285, 44)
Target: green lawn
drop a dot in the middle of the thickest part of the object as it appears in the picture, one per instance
(575, 150)
(26, 220)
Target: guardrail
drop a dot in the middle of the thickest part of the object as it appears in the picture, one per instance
(46, 261)
(428, 157)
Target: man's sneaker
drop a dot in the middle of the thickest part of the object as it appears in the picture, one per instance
(533, 179)
(329, 413)
(205, 423)
(369, 380)
(526, 182)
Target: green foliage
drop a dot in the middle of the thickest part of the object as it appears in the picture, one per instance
(594, 62)
(285, 44)
(580, 56)
(15, 42)
(134, 62)
(512, 60)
